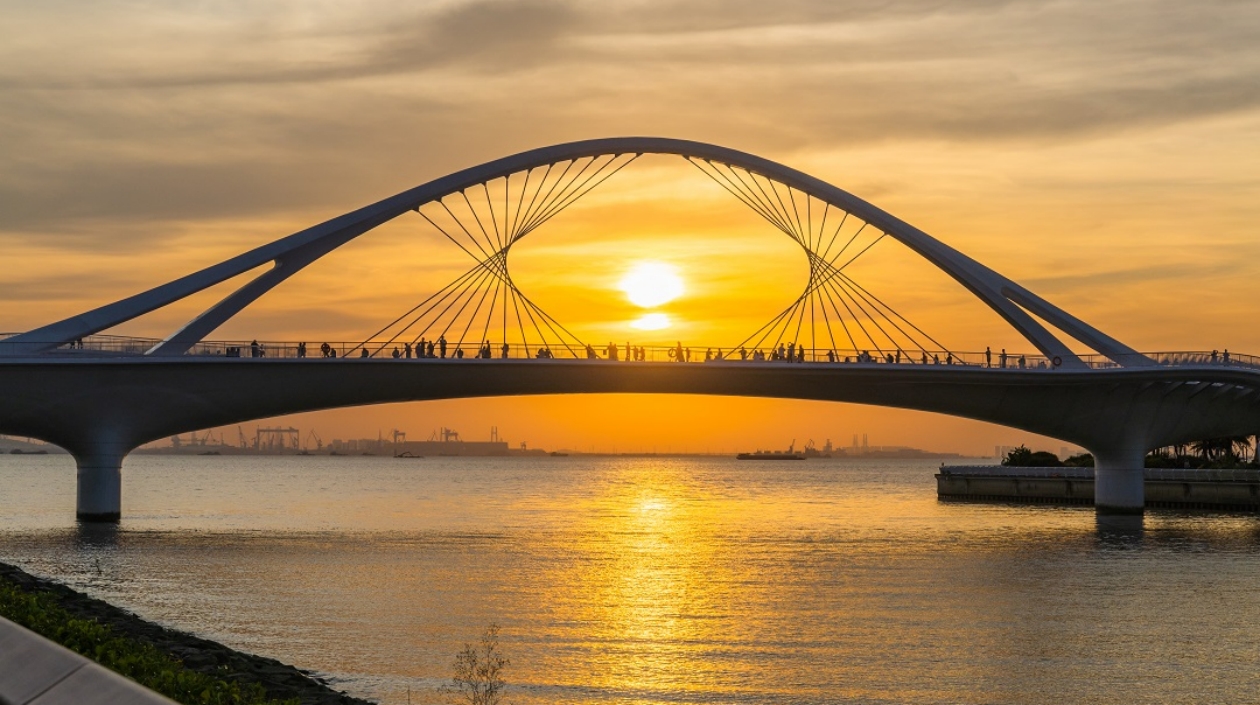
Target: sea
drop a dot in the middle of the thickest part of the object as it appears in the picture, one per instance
(659, 580)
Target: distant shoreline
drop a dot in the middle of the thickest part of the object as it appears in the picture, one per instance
(235, 451)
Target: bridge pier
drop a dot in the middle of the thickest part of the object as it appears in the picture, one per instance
(1119, 481)
(100, 484)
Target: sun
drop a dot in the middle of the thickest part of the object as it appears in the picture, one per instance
(650, 284)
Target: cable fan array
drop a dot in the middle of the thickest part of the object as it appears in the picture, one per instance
(833, 313)
(832, 240)
(485, 221)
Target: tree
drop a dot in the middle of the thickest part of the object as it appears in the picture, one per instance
(1022, 457)
(479, 671)
(1018, 457)
(1223, 448)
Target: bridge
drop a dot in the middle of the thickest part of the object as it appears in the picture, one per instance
(101, 396)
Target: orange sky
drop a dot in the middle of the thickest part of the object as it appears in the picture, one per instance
(1105, 157)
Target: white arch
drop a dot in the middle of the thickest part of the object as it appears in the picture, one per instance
(291, 254)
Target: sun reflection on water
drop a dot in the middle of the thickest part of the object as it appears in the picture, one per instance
(652, 583)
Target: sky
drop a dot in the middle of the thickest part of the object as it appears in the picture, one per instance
(1102, 154)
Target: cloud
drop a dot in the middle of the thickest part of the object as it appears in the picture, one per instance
(155, 111)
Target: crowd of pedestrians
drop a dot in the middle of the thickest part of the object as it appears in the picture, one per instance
(789, 352)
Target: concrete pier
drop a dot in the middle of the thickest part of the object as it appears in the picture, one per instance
(1234, 490)
(100, 485)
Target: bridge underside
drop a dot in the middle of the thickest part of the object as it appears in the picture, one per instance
(101, 410)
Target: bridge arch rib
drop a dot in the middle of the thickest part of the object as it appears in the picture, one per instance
(289, 255)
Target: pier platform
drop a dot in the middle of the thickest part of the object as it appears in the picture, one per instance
(1233, 490)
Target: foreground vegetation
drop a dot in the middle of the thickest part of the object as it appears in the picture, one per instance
(141, 662)
(1228, 453)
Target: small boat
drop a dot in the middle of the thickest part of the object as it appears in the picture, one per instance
(558, 454)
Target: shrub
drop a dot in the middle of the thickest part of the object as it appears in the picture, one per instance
(479, 670)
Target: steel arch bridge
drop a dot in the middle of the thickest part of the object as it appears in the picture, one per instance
(100, 397)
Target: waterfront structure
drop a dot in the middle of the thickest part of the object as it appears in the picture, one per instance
(100, 397)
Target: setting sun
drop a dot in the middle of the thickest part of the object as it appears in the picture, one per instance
(650, 284)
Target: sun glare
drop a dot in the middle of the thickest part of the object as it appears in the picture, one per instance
(651, 321)
(650, 284)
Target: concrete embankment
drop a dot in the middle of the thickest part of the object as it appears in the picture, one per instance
(279, 680)
(1232, 490)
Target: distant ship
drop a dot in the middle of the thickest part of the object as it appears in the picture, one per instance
(770, 455)
(789, 454)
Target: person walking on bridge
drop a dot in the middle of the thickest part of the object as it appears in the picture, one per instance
(988, 357)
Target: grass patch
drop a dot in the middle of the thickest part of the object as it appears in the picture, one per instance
(139, 661)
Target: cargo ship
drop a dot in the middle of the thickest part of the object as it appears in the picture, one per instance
(789, 454)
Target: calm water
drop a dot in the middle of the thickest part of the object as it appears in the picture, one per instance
(660, 580)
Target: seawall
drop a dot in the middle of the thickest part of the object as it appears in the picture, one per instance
(1233, 490)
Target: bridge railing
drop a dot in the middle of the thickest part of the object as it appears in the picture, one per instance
(126, 346)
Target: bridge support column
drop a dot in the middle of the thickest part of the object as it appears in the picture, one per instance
(100, 484)
(1119, 481)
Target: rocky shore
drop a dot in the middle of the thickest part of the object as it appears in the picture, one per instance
(280, 680)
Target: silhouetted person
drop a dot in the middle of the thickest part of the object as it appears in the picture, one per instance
(743, 353)
(364, 353)
(442, 345)
(590, 353)
(407, 350)
(1225, 356)
(505, 349)
(611, 351)
(324, 349)
(428, 351)
(397, 353)
(459, 353)
(1002, 358)
(988, 357)
(301, 351)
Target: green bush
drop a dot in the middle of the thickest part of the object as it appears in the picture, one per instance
(1021, 457)
(141, 662)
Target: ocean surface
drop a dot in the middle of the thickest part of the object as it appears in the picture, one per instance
(659, 580)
